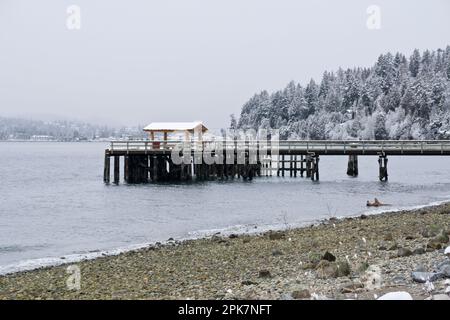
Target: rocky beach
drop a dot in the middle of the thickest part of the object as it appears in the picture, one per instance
(351, 258)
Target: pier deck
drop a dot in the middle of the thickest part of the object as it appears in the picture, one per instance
(146, 161)
(320, 147)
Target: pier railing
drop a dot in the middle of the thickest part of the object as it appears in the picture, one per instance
(332, 147)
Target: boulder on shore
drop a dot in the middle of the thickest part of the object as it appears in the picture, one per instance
(398, 295)
(423, 277)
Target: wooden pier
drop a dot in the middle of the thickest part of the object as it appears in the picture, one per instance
(152, 161)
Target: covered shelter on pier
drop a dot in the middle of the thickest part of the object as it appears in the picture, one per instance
(189, 130)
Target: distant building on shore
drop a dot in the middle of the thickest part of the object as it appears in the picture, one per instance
(41, 138)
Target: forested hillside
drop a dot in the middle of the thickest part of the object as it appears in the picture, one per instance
(399, 97)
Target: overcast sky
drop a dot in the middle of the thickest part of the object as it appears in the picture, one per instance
(138, 61)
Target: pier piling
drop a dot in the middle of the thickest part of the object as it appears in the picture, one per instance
(302, 169)
(314, 168)
(107, 170)
(352, 167)
(382, 162)
(116, 169)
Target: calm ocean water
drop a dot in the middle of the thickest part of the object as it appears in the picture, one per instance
(53, 202)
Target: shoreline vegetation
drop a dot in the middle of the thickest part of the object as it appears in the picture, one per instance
(350, 258)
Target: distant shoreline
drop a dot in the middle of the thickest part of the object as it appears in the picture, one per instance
(272, 265)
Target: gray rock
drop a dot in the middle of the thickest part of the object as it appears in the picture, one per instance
(419, 251)
(264, 274)
(329, 257)
(301, 294)
(403, 252)
(393, 247)
(423, 277)
(326, 269)
(276, 252)
(363, 266)
(420, 268)
(343, 268)
(426, 233)
(388, 237)
(218, 239)
(441, 238)
(443, 264)
(277, 235)
(399, 280)
(351, 287)
(433, 245)
(445, 271)
(441, 297)
(286, 296)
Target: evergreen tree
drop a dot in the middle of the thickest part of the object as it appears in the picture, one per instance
(414, 63)
(380, 131)
(233, 122)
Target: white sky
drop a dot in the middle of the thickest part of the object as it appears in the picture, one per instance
(138, 61)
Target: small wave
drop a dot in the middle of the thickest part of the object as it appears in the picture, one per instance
(32, 264)
(19, 248)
